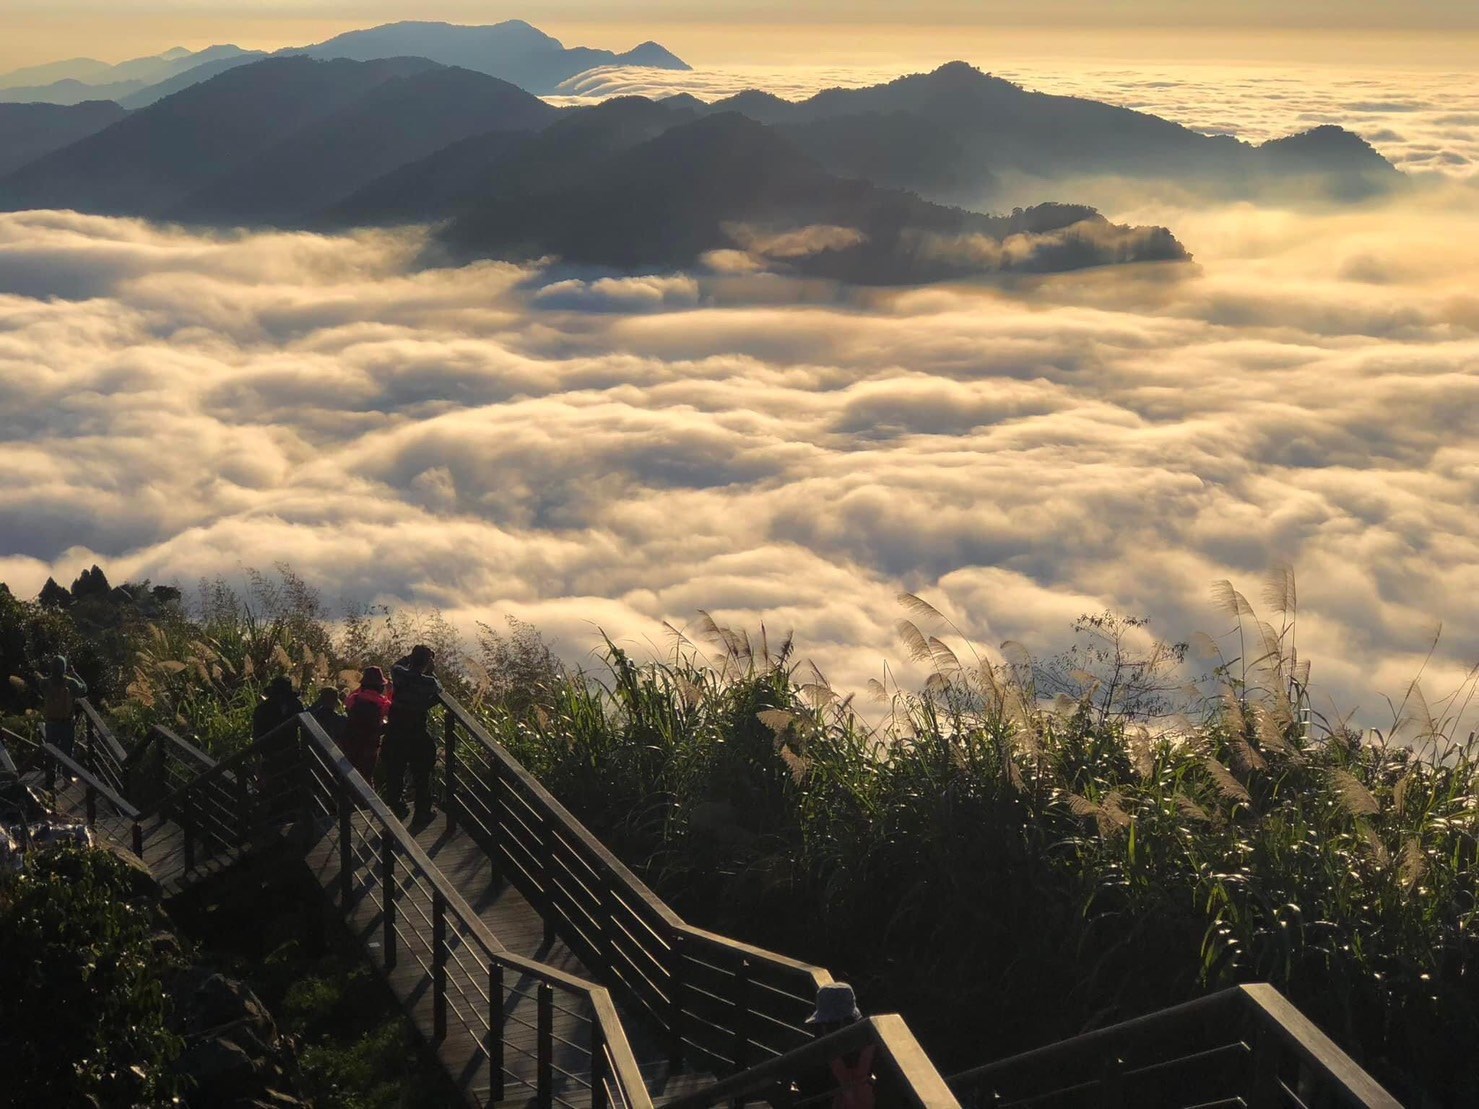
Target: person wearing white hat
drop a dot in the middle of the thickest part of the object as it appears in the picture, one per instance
(848, 1079)
(836, 1006)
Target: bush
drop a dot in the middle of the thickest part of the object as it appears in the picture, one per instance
(82, 1002)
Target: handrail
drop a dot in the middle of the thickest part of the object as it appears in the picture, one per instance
(15, 737)
(295, 748)
(612, 1045)
(105, 755)
(94, 786)
(1343, 1075)
(157, 733)
(1256, 1015)
(613, 866)
(172, 799)
(95, 719)
(734, 1002)
(899, 1057)
(92, 782)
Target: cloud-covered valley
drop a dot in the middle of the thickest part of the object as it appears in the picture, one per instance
(585, 451)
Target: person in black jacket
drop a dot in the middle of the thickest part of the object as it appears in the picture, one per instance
(278, 757)
(326, 711)
(408, 741)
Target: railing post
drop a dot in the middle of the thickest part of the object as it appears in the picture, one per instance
(438, 965)
(449, 765)
(244, 808)
(606, 921)
(676, 945)
(89, 743)
(496, 1024)
(346, 848)
(138, 840)
(187, 827)
(598, 1065)
(547, 867)
(92, 805)
(741, 1044)
(387, 895)
(1265, 1092)
(1112, 1084)
(496, 830)
(546, 1045)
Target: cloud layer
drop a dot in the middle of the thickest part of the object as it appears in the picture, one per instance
(585, 451)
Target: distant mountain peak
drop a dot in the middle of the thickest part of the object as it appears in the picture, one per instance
(654, 55)
(513, 50)
(957, 76)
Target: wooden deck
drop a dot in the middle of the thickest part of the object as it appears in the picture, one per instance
(465, 1049)
(164, 841)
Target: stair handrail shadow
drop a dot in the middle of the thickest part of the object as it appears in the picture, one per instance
(732, 1004)
(904, 1073)
(1244, 1045)
(339, 793)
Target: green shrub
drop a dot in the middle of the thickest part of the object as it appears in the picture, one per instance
(82, 1003)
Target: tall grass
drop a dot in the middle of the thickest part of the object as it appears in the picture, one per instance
(1019, 850)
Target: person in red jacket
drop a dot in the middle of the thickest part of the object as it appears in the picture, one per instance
(367, 709)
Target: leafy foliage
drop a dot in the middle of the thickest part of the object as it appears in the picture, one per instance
(82, 1003)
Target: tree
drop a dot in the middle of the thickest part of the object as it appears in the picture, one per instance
(54, 596)
(1117, 670)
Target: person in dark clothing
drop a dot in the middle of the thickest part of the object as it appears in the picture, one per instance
(367, 708)
(847, 1082)
(279, 704)
(408, 741)
(61, 690)
(326, 711)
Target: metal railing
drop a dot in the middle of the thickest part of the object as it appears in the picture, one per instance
(100, 750)
(475, 983)
(255, 793)
(727, 1003)
(515, 1013)
(1244, 1046)
(900, 1072)
(54, 764)
(161, 763)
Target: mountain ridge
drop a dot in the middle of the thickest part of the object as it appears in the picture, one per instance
(1042, 135)
(512, 50)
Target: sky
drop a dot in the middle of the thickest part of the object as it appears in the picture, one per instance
(727, 31)
(619, 453)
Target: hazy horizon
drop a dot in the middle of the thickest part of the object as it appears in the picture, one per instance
(112, 36)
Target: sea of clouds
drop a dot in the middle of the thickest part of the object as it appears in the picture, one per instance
(586, 452)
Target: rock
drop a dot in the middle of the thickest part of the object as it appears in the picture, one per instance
(217, 1002)
(142, 885)
(167, 945)
(218, 1071)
